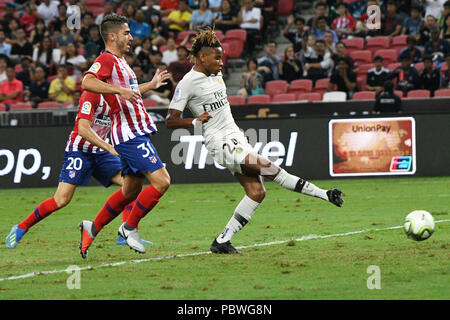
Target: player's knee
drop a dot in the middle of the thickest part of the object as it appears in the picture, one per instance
(257, 195)
(163, 184)
(62, 200)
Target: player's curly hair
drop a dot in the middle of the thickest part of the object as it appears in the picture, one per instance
(206, 38)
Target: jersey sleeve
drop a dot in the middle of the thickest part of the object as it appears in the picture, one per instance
(180, 96)
(102, 66)
(88, 103)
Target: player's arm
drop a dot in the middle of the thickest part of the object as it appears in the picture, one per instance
(175, 121)
(157, 81)
(85, 130)
(92, 84)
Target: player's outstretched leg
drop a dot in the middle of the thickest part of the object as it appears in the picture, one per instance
(87, 230)
(14, 236)
(125, 214)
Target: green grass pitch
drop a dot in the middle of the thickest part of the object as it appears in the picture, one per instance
(190, 216)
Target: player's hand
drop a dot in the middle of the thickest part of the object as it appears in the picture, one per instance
(159, 78)
(204, 117)
(129, 94)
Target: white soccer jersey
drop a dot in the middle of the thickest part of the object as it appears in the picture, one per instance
(201, 93)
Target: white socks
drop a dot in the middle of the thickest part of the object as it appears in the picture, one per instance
(243, 213)
(291, 182)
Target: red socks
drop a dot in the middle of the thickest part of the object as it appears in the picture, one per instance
(126, 212)
(113, 206)
(146, 200)
(44, 209)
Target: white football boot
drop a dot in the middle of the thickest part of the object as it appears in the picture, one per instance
(132, 237)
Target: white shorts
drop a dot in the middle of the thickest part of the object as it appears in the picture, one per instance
(230, 150)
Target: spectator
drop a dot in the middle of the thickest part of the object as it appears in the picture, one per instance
(140, 75)
(446, 73)
(139, 29)
(411, 49)
(130, 58)
(94, 44)
(412, 24)
(406, 75)
(268, 12)
(87, 21)
(180, 67)
(129, 9)
(320, 11)
(160, 32)
(433, 7)
(4, 61)
(343, 78)
(435, 44)
(425, 31)
(252, 82)
(328, 39)
(308, 52)
(444, 14)
(193, 4)
(11, 90)
(270, 60)
(298, 35)
(163, 93)
(64, 37)
(26, 75)
(227, 17)
(430, 76)
(75, 100)
(29, 17)
(291, 68)
(71, 55)
(168, 6)
(321, 66)
(9, 16)
(376, 77)
(5, 48)
(143, 54)
(21, 47)
(201, 17)
(38, 90)
(322, 28)
(388, 101)
(39, 32)
(357, 8)
(249, 20)
(445, 32)
(333, 9)
(391, 23)
(13, 26)
(344, 25)
(109, 8)
(170, 55)
(214, 6)
(45, 55)
(178, 20)
(48, 9)
(57, 22)
(341, 52)
(155, 63)
(62, 88)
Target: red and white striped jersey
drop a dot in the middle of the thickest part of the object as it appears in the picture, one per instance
(94, 108)
(129, 120)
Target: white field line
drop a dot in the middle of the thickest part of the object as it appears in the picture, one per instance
(115, 264)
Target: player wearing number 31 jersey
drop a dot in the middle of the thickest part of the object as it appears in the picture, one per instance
(87, 154)
(203, 91)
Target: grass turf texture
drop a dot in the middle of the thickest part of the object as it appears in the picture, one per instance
(190, 216)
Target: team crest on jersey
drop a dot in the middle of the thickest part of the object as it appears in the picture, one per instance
(86, 108)
(95, 67)
(72, 174)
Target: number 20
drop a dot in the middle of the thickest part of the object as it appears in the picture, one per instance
(147, 148)
(75, 163)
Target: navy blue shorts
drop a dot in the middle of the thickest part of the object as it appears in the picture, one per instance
(138, 155)
(79, 166)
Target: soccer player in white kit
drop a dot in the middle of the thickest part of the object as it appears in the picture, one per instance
(203, 91)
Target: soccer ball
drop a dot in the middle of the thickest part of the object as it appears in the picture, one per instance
(419, 225)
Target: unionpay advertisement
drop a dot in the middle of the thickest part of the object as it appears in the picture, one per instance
(372, 146)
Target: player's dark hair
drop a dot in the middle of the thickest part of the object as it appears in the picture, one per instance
(110, 22)
(206, 38)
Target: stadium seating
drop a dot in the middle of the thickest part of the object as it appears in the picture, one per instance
(235, 34)
(259, 99)
(285, 7)
(389, 56)
(182, 35)
(49, 105)
(364, 95)
(149, 103)
(334, 96)
(364, 68)
(442, 93)
(354, 44)
(300, 85)
(321, 85)
(20, 106)
(309, 96)
(361, 56)
(393, 66)
(219, 35)
(375, 43)
(361, 81)
(2, 107)
(236, 100)
(398, 43)
(421, 93)
(399, 93)
(284, 97)
(276, 86)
